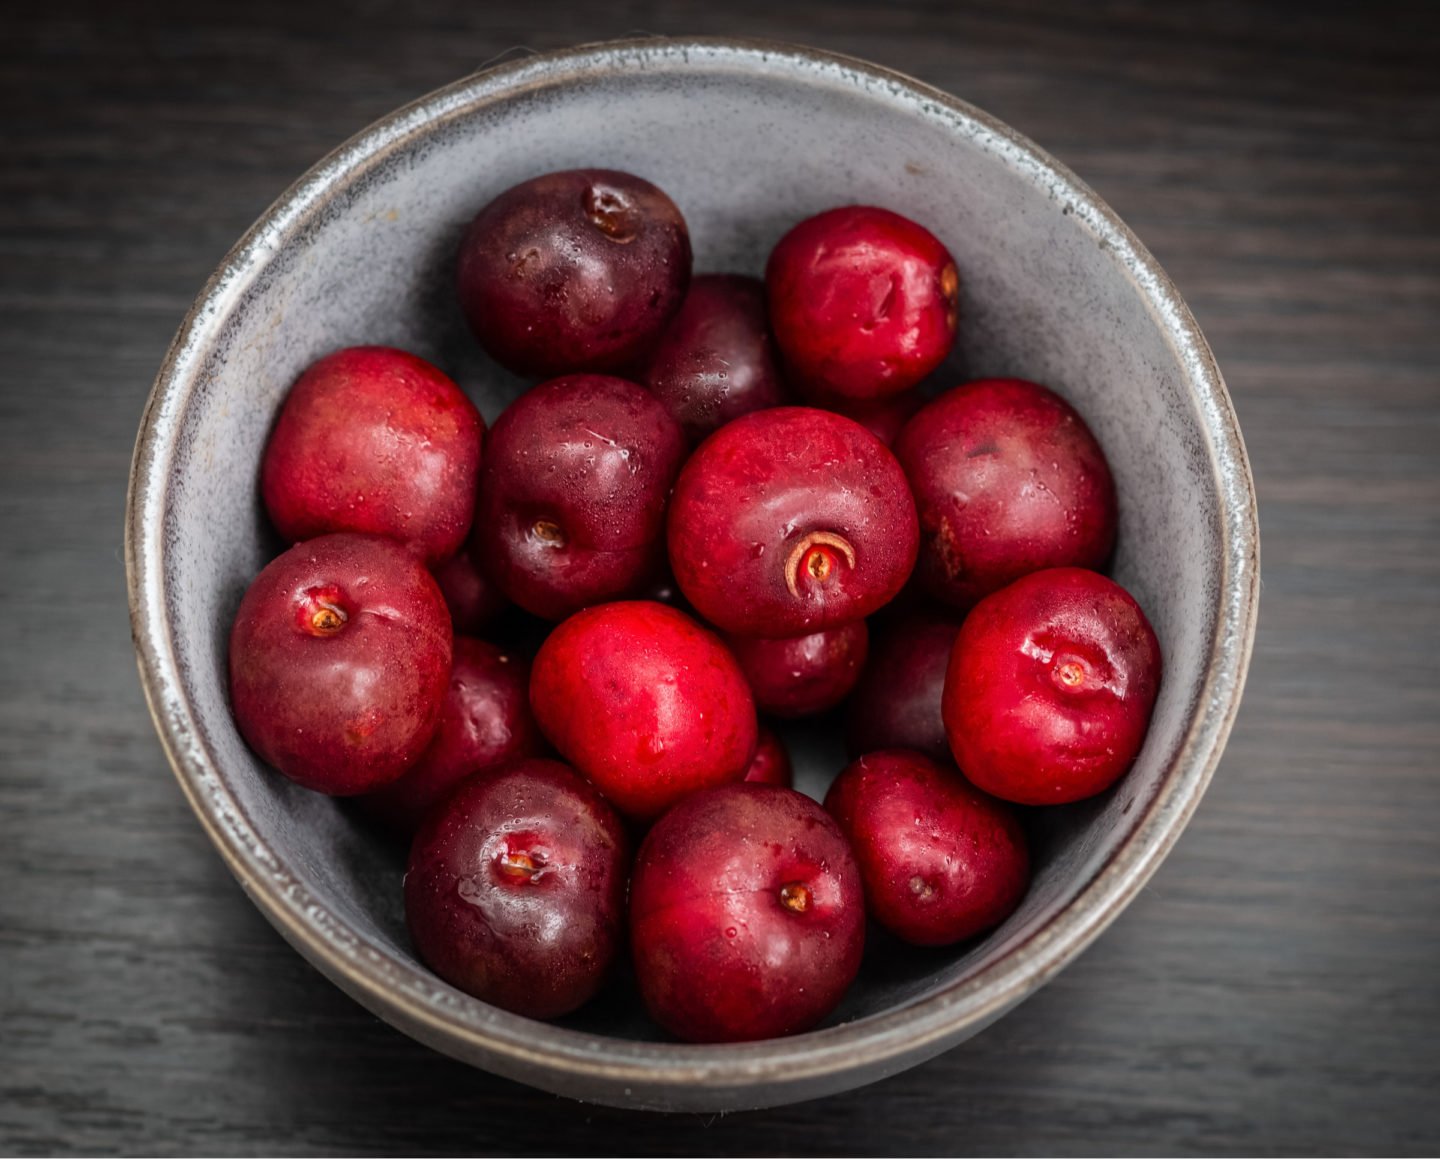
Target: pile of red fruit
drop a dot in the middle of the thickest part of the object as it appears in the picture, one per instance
(672, 459)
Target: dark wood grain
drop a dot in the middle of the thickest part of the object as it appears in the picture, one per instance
(1275, 990)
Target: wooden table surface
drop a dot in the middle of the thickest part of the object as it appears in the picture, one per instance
(1274, 990)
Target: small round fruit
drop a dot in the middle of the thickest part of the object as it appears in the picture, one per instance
(474, 601)
(771, 765)
(571, 510)
(1050, 687)
(515, 890)
(486, 721)
(1008, 480)
(802, 675)
(716, 360)
(645, 703)
(574, 271)
(791, 520)
(896, 704)
(747, 917)
(339, 660)
(940, 860)
(374, 440)
(863, 302)
(883, 417)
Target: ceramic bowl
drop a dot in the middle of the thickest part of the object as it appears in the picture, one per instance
(748, 139)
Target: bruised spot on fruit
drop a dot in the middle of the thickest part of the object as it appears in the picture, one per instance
(921, 889)
(612, 213)
(795, 897)
(815, 557)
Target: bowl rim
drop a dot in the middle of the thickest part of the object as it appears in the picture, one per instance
(457, 1024)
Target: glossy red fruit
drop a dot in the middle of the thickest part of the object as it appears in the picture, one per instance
(486, 721)
(771, 765)
(802, 675)
(574, 271)
(896, 703)
(473, 600)
(572, 497)
(863, 302)
(1050, 687)
(790, 520)
(645, 703)
(746, 915)
(374, 440)
(339, 660)
(883, 417)
(515, 890)
(716, 360)
(940, 860)
(1008, 479)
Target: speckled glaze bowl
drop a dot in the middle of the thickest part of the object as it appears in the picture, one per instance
(748, 138)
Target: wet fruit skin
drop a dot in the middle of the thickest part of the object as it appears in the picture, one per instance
(896, 703)
(747, 918)
(1008, 480)
(572, 271)
(375, 440)
(940, 860)
(771, 765)
(802, 675)
(645, 703)
(339, 661)
(571, 506)
(474, 601)
(716, 359)
(791, 520)
(883, 417)
(863, 302)
(515, 890)
(1050, 687)
(486, 721)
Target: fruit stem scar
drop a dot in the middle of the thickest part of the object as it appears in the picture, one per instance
(1071, 673)
(816, 554)
(517, 865)
(795, 897)
(329, 618)
(548, 531)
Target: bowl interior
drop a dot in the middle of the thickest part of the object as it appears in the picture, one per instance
(747, 142)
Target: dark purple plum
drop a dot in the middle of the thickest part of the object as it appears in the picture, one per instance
(574, 271)
(896, 704)
(716, 360)
(803, 675)
(486, 721)
(515, 891)
(771, 765)
(571, 509)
